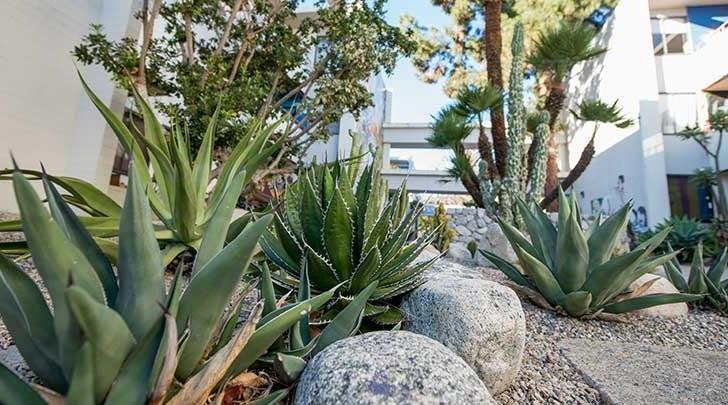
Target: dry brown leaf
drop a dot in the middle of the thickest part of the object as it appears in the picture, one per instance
(51, 397)
(166, 375)
(197, 389)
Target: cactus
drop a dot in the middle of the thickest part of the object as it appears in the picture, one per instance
(488, 189)
(514, 184)
(439, 223)
(538, 173)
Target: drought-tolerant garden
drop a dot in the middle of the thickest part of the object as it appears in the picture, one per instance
(232, 273)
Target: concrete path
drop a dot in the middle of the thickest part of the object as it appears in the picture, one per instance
(631, 374)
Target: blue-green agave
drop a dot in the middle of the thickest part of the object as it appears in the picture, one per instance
(337, 226)
(575, 270)
(701, 281)
(119, 337)
(181, 191)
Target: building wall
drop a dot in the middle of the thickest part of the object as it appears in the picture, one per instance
(629, 163)
(44, 114)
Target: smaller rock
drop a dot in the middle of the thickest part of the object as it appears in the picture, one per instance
(389, 368)
(661, 286)
(458, 251)
(482, 321)
(462, 230)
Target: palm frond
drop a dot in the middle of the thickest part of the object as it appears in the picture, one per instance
(449, 128)
(559, 49)
(477, 99)
(599, 111)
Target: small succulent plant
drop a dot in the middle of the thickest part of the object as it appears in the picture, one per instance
(685, 235)
(574, 270)
(701, 281)
(338, 226)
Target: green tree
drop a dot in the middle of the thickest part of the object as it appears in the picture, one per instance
(464, 52)
(254, 57)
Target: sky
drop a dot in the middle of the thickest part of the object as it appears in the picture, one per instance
(415, 100)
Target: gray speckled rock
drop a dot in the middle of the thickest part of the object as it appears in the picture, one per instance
(382, 368)
(495, 241)
(480, 320)
(459, 252)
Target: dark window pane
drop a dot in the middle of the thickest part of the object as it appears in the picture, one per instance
(676, 43)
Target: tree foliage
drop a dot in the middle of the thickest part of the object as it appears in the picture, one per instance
(254, 56)
(456, 52)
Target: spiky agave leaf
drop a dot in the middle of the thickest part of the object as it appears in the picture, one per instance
(351, 232)
(578, 273)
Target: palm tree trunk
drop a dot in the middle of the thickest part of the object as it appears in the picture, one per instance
(492, 53)
(584, 160)
(554, 104)
(473, 189)
(486, 150)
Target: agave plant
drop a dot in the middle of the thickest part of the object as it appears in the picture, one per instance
(336, 226)
(119, 337)
(574, 270)
(685, 234)
(708, 283)
(181, 191)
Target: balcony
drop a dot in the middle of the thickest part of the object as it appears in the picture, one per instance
(711, 58)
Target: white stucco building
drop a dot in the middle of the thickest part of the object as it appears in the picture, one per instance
(666, 64)
(44, 114)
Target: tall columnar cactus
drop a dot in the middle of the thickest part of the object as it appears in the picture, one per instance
(540, 154)
(488, 189)
(514, 182)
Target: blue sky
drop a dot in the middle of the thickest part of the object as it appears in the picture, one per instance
(414, 100)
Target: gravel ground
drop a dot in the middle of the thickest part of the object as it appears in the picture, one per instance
(546, 375)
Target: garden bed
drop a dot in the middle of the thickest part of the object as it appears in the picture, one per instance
(547, 376)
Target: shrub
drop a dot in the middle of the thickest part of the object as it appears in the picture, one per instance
(337, 226)
(574, 270)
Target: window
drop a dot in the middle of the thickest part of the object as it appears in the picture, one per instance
(688, 199)
(670, 35)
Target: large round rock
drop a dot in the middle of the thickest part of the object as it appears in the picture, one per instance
(480, 320)
(389, 368)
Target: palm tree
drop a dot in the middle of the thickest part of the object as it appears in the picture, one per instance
(473, 103)
(598, 112)
(555, 53)
(449, 130)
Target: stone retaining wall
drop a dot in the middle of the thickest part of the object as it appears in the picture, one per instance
(472, 224)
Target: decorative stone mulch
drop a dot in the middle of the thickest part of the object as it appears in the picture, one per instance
(547, 376)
